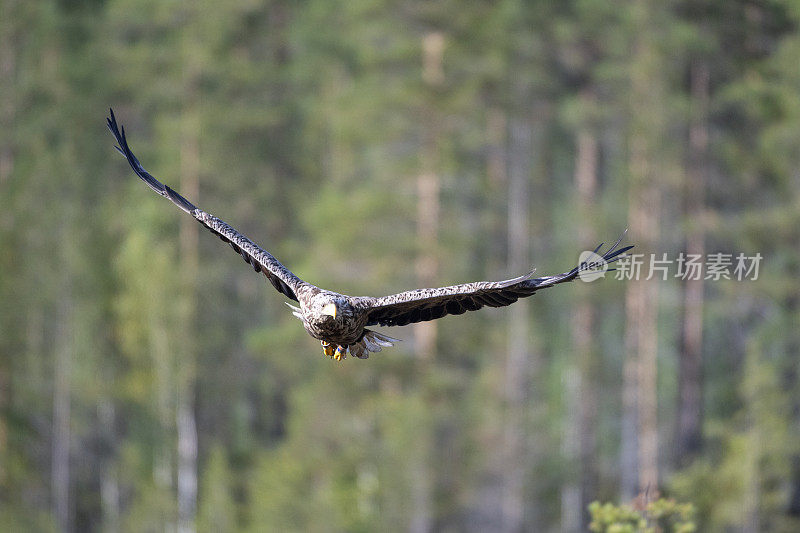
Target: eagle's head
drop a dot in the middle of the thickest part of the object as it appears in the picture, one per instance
(333, 308)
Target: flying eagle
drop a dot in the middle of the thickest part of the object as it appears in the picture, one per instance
(340, 321)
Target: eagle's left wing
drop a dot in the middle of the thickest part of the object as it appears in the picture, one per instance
(429, 304)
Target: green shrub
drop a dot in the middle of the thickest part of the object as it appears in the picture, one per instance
(660, 516)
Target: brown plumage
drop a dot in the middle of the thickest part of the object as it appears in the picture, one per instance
(339, 321)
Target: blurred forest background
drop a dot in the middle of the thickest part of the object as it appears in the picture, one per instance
(150, 381)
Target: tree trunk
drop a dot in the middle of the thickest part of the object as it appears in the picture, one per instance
(427, 268)
(629, 445)
(428, 185)
(189, 234)
(486, 504)
(187, 463)
(109, 483)
(688, 439)
(185, 416)
(641, 348)
(792, 303)
(580, 440)
(61, 413)
(8, 63)
(8, 60)
(516, 371)
(753, 454)
(641, 340)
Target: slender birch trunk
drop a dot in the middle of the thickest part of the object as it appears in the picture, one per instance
(187, 445)
(185, 416)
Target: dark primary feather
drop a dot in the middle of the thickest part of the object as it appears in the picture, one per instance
(261, 261)
(420, 305)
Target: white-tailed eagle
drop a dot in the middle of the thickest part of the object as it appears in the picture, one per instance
(340, 321)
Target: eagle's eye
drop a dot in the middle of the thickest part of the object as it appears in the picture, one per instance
(330, 309)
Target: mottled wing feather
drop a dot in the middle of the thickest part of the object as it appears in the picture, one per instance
(420, 305)
(261, 261)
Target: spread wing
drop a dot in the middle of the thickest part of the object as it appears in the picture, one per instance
(429, 304)
(261, 261)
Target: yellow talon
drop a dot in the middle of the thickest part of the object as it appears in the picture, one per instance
(341, 353)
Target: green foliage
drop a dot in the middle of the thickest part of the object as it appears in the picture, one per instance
(217, 509)
(745, 462)
(663, 515)
(307, 125)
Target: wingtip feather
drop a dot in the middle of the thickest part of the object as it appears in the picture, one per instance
(514, 281)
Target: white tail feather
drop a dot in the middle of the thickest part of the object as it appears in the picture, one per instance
(372, 341)
(296, 311)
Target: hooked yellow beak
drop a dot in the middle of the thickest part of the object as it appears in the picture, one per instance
(330, 309)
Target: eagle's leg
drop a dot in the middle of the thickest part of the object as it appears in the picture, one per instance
(341, 353)
(327, 349)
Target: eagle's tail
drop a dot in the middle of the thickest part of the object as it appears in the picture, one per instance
(296, 311)
(372, 341)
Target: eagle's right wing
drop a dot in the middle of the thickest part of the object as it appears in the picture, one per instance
(262, 261)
